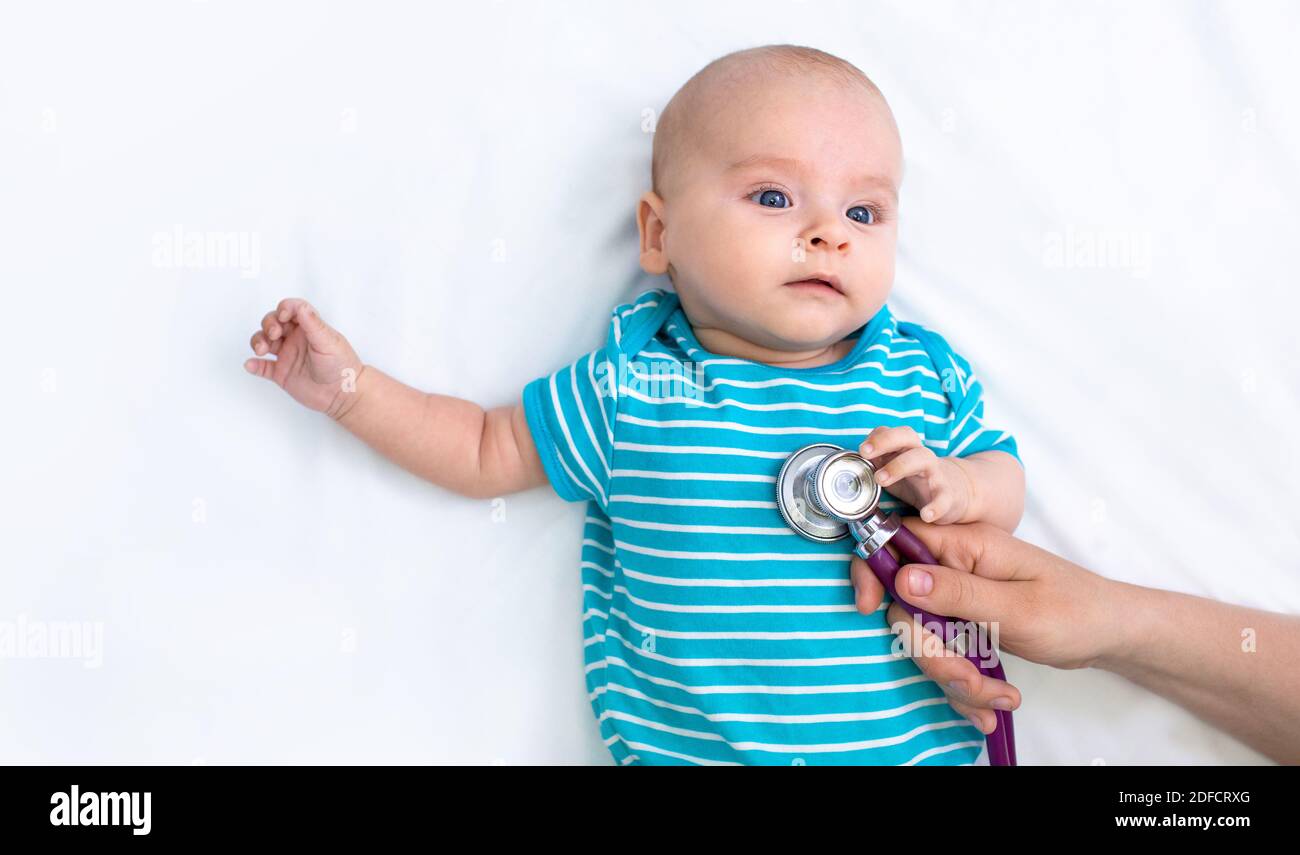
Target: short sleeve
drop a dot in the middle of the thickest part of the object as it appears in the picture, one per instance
(571, 416)
(967, 430)
(572, 413)
(970, 431)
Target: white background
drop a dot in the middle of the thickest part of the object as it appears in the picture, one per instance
(454, 188)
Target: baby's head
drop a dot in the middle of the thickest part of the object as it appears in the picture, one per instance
(774, 165)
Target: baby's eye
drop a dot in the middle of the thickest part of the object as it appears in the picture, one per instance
(860, 214)
(771, 199)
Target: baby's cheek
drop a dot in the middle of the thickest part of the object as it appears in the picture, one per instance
(874, 276)
(733, 273)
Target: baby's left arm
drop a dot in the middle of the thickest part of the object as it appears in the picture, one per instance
(985, 487)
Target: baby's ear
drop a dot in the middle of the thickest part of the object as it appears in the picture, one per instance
(650, 225)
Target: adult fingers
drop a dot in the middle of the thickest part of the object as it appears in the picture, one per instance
(980, 548)
(942, 590)
(960, 680)
(868, 593)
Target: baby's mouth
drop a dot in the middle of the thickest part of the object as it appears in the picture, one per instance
(821, 283)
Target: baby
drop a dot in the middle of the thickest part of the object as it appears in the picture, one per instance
(714, 634)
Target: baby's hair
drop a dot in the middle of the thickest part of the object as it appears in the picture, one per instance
(683, 109)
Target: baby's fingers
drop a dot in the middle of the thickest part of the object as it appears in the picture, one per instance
(262, 345)
(263, 368)
(288, 307)
(884, 440)
(913, 462)
(939, 508)
(299, 311)
(275, 329)
(259, 344)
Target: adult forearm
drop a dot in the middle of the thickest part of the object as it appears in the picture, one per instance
(1233, 667)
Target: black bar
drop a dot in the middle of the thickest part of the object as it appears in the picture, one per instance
(234, 804)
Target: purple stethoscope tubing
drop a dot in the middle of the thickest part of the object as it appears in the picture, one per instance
(1001, 742)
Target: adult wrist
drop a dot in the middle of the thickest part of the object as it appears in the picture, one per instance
(1125, 631)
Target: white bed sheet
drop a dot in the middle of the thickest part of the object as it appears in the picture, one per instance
(454, 188)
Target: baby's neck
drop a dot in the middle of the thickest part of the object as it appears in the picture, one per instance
(728, 344)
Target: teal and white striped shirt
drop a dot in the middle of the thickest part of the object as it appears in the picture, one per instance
(714, 634)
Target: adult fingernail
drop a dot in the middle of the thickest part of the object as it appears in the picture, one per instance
(920, 582)
(866, 448)
(960, 687)
(974, 719)
(1000, 703)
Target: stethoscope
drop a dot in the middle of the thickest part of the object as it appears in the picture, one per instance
(824, 493)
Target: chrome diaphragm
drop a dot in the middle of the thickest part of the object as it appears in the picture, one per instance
(822, 487)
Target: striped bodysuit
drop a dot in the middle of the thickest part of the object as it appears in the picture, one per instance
(713, 634)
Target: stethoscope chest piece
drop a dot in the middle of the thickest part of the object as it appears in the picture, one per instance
(822, 487)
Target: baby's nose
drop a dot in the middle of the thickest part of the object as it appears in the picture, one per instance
(827, 233)
(829, 242)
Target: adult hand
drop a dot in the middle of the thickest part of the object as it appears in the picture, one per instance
(1042, 607)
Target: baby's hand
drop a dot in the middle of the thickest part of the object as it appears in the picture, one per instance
(936, 486)
(314, 362)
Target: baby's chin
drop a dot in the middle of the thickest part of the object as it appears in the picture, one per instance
(786, 337)
(808, 327)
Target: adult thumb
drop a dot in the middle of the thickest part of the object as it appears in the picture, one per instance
(944, 591)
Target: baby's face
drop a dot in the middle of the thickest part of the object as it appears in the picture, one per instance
(790, 180)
